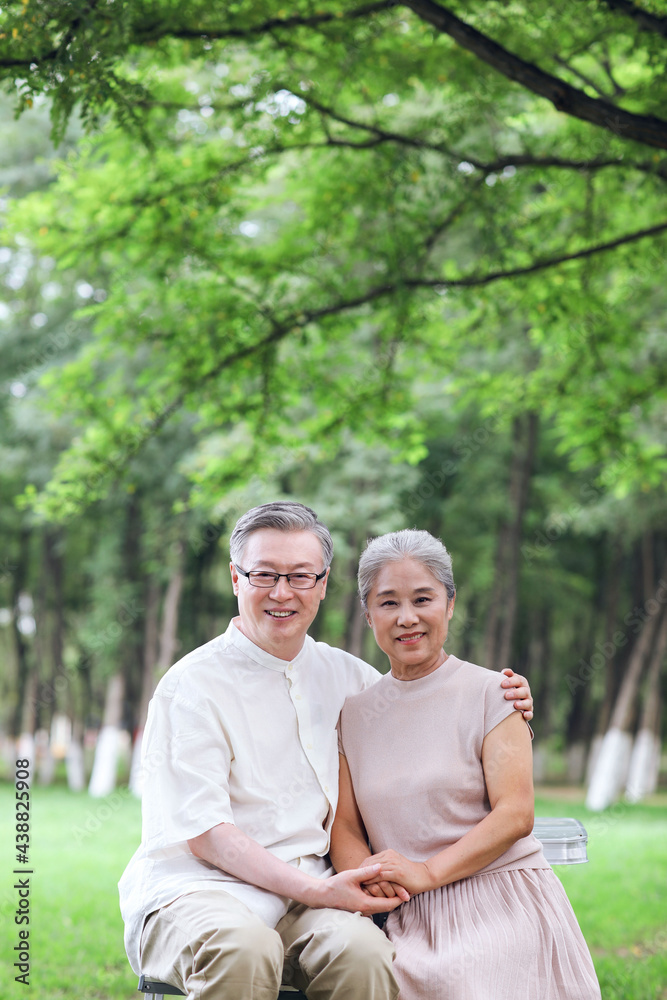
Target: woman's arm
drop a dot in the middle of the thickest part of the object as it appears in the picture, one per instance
(349, 842)
(508, 771)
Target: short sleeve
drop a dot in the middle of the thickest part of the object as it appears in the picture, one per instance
(186, 760)
(496, 706)
(370, 676)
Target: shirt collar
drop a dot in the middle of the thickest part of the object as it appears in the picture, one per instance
(259, 655)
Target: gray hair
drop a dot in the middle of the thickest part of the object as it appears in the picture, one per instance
(285, 515)
(406, 544)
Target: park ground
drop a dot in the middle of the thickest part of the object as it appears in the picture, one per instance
(79, 847)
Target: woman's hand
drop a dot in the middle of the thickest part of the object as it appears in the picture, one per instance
(398, 870)
(347, 891)
(384, 889)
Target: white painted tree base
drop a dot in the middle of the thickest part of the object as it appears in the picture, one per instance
(46, 764)
(105, 765)
(576, 762)
(46, 767)
(25, 750)
(644, 766)
(610, 771)
(136, 769)
(593, 755)
(76, 777)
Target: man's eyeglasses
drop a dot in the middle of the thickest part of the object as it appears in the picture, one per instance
(298, 581)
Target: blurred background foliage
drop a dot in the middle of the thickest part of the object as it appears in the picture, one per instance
(408, 272)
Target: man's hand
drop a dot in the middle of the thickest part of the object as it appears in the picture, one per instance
(400, 872)
(344, 891)
(520, 690)
(233, 851)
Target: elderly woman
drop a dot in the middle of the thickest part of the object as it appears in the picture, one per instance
(436, 773)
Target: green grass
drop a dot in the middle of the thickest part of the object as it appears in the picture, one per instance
(79, 847)
(620, 897)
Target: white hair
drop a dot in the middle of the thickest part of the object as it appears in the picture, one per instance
(406, 544)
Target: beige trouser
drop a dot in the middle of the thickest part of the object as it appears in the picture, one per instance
(212, 946)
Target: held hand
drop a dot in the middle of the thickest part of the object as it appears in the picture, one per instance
(385, 889)
(519, 689)
(344, 891)
(399, 870)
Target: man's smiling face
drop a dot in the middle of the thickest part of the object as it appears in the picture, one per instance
(277, 618)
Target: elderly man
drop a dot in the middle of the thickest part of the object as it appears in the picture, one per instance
(231, 888)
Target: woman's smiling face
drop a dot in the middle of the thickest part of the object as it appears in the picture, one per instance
(409, 612)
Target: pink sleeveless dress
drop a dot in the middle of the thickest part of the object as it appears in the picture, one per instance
(506, 933)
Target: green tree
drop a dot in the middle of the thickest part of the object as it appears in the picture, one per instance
(292, 196)
(344, 246)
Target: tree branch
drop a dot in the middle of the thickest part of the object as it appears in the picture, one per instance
(645, 20)
(517, 160)
(157, 30)
(640, 128)
(582, 76)
(474, 280)
(382, 134)
(154, 32)
(561, 162)
(282, 328)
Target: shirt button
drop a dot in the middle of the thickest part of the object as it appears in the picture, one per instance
(309, 746)
(297, 697)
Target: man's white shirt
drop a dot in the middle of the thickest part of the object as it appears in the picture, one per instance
(236, 735)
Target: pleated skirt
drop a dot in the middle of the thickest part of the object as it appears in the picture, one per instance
(507, 935)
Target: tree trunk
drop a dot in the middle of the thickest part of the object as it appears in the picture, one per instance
(611, 767)
(579, 716)
(539, 658)
(24, 669)
(586, 725)
(26, 749)
(170, 614)
(645, 761)
(49, 648)
(151, 640)
(462, 631)
(502, 613)
(56, 601)
(74, 763)
(355, 623)
(156, 655)
(131, 650)
(612, 679)
(575, 762)
(103, 778)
